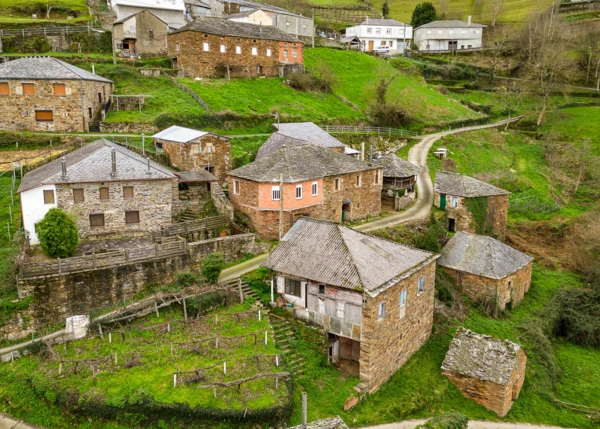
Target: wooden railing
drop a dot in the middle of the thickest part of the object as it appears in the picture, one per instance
(193, 226)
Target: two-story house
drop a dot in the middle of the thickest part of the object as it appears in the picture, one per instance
(219, 47)
(374, 297)
(471, 205)
(170, 11)
(108, 189)
(194, 150)
(449, 36)
(304, 180)
(374, 32)
(142, 35)
(47, 94)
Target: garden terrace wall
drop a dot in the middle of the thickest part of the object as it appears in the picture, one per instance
(127, 127)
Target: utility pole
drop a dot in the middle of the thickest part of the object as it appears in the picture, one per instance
(314, 29)
(280, 205)
(587, 79)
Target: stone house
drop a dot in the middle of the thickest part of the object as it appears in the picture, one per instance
(47, 94)
(487, 370)
(194, 150)
(373, 297)
(374, 33)
(328, 423)
(299, 133)
(452, 35)
(110, 190)
(461, 195)
(170, 11)
(142, 35)
(218, 47)
(304, 180)
(399, 175)
(487, 270)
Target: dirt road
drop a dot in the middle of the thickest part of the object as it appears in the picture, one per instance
(411, 424)
(418, 156)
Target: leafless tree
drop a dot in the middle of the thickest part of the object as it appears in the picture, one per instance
(494, 7)
(511, 97)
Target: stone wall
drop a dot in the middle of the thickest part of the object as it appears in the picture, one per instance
(147, 44)
(57, 297)
(223, 205)
(69, 115)
(191, 58)
(510, 289)
(496, 397)
(194, 155)
(388, 343)
(127, 127)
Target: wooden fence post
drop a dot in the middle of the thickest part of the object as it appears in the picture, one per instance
(184, 311)
(240, 289)
(156, 250)
(126, 255)
(59, 270)
(94, 259)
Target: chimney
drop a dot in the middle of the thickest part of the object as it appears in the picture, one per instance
(148, 172)
(469, 20)
(362, 151)
(304, 410)
(113, 158)
(63, 162)
(93, 69)
(367, 19)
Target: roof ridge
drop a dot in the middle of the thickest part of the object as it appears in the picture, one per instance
(63, 65)
(354, 267)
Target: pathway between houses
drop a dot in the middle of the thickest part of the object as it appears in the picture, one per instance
(8, 423)
(473, 424)
(418, 156)
(240, 269)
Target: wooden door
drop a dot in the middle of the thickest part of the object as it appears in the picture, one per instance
(370, 45)
(442, 201)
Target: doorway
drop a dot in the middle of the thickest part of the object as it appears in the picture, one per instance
(452, 45)
(345, 211)
(442, 201)
(370, 45)
(451, 224)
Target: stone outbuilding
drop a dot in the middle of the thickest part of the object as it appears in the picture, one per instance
(487, 270)
(109, 190)
(487, 370)
(329, 423)
(304, 180)
(472, 205)
(298, 133)
(373, 297)
(47, 94)
(195, 150)
(142, 35)
(223, 48)
(170, 11)
(399, 179)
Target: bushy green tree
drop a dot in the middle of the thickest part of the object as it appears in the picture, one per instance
(385, 9)
(424, 13)
(57, 233)
(212, 266)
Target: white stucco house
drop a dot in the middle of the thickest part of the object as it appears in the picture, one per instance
(372, 33)
(257, 17)
(449, 36)
(170, 11)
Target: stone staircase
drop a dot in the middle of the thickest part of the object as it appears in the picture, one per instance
(246, 290)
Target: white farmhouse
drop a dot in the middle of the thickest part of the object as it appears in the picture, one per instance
(449, 36)
(170, 11)
(372, 33)
(257, 17)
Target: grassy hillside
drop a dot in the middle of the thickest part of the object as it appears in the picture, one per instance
(21, 11)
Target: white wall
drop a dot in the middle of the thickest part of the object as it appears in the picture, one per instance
(34, 209)
(438, 38)
(378, 34)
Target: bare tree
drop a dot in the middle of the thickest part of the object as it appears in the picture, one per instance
(494, 7)
(511, 97)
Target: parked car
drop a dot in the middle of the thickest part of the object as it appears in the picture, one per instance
(381, 49)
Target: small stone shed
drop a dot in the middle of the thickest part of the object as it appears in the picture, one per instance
(487, 270)
(487, 370)
(329, 423)
(398, 174)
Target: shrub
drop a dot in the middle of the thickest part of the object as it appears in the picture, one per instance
(212, 266)
(57, 233)
(301, 81)
(185, 278)
(324, 78)
(433, 237)
(453, 420)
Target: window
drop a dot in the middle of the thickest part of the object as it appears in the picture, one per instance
(378, 31)
(96, 220)
(275, 193)
(421, 285)
(132, 217)
(127, 192)
(90, 112)
(177, 47)
(315, 188)
(285, 54)
(196, 148)
(151, 32)
(28, 88)
(402, 303)
(59, 89)
(322, 289)
(238, 50)
(236, 187)
(205, 47)
(378, 174)
(391, 43)
(131, 28)
(209, 148)
(104, 195)
(369, 30)
(381, 310)
(298, 192)
(287, 23)
(44, 115)
(337, 184)
(78, 196)
(4, 88)
(292, 287)
(223, 49)
(388, 31)
(454, 201)
(254, 50)
(116, 30)
(268, 52)
(49, 197)
(358, 180)
(294, 54)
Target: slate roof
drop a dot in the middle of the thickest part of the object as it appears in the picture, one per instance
(336, 255)
(256, 5)
(460, 185)
(224, 27)
(298, 133)
(137, 13)
(179, 134)
(394, 166)
(451, 24)
(45, 68)
(482, 255)
(384, 22)
(300, 163)
(92, 163)
(481, 356)
(195, 176)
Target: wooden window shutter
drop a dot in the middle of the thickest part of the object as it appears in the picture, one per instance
(97, 219)
(127, 191)
(49, 197)
(78, 196)
(28, 89)
(104, 194)
(4, 88)
(44, 115)
(132, 217)
(59, 89)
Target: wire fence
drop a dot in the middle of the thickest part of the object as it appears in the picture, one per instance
(351, 129)
(49, 31)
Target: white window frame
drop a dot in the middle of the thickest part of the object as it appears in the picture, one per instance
(358, 182)
(388, 31)
(205, 46)
(402, 303)
(209, 148)
(177, 47)
(381, 311)
(420, 285)
(315, 189)
(378, 174)
(238, 49)
(223, 48)
(298, 192)
(236, 187)
(275, 193)
(369, 30)
(337, 184)
(254, 50)
(454, 201)
(269, 52)
(378, 31)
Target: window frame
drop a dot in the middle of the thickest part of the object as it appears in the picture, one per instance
(59, 84)
(402, 303)
(28, 83)
(420, 285)
(223, 48)
(77, 191)
(37, 119)
(238, 50)
(291, 286)
(137, 213)
(275, 191)
(177, 47)
(205, 47)
(95, 216)
(127, 188)
(314, 189)
(236, 187)
(269, 52)
(2, 85)
(358, 181)
(102, 189)
(254, 51)
(454, 201)
(49, 195)
(381, 311)
(337, 184)
(298, 194)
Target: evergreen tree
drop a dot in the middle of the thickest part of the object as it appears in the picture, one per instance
(424, 13)
(385, 9)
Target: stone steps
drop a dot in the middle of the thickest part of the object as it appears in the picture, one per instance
(283, 333)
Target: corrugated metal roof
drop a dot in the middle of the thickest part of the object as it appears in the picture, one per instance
(334, 254)
(460, 185)
(451, 24)
(394, 166)
(45, 68)
(482, 255)
(179, 134)
(481, 356)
